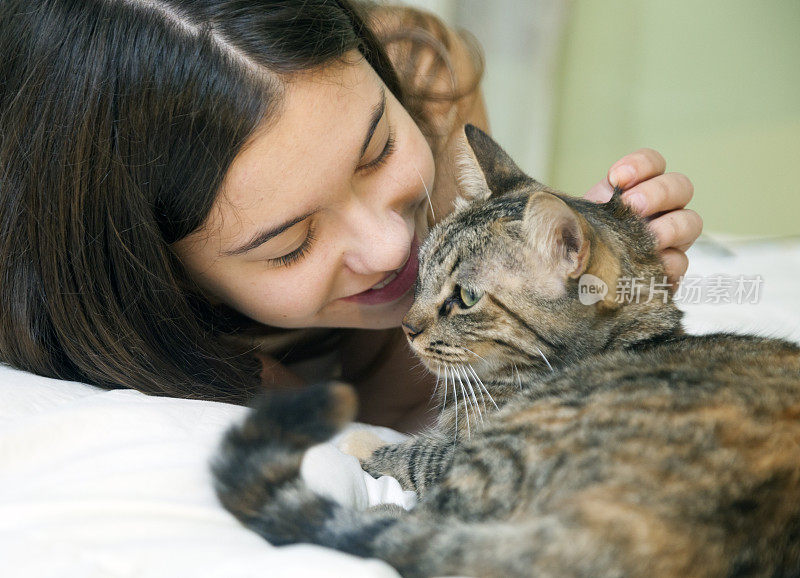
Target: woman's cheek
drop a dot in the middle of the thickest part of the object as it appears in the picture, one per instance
(292, 295)
(273, 299)
(419, 159)
(413, 161)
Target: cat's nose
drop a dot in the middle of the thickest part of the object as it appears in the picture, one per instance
(411, 331)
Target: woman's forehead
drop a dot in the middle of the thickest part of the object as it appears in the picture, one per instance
(295, 157)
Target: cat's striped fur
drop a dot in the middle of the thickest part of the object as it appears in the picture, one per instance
(621, 446)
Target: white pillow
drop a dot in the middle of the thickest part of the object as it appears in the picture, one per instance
(116, 484)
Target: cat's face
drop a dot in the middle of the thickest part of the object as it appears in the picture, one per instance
(486, 298)
(496, 291)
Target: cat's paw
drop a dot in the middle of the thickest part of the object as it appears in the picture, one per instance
(360, 443)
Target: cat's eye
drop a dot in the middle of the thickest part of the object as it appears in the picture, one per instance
(469, 297)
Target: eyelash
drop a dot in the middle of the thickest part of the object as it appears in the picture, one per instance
(302, 250)
(381, 158)
(297, 254)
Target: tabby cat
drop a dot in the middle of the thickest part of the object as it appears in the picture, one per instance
(575, 439)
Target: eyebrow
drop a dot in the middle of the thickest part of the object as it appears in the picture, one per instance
(377, 114)
(262, 237)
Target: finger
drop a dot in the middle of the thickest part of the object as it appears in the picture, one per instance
(662, 193)
(635, 168)
(600, 193)
(676, 264)
(677, 229)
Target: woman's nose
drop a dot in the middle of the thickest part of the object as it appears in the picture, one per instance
(379, 240)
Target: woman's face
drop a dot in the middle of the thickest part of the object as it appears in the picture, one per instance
(319, 216)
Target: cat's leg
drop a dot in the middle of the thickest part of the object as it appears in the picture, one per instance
(416, 463)
(360, 443)
(485, 479)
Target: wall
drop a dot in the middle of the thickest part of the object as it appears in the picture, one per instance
(714, 85)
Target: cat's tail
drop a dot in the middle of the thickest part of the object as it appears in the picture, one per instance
(257, 473)
(257, 478)
(257, 468)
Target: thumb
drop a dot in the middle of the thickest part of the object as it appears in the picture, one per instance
(600, 193)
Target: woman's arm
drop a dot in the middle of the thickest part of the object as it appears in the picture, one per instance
(391, 392)
(276, 375)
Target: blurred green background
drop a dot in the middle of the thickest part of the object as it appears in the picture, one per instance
(714, 85)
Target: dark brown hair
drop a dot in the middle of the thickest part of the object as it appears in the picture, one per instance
(118, 121)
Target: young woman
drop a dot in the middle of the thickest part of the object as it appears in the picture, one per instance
(194, 195)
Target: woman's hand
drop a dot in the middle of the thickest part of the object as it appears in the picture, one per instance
(659, 196)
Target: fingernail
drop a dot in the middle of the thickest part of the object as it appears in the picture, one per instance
(599, 196)
(621, 175)
(637, 201)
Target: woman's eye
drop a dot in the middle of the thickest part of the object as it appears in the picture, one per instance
(296, 255)
(384, 155)
(469, 297)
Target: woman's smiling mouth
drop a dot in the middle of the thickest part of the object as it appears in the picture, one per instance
(394, 285)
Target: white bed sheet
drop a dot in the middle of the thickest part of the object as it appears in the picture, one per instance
(116, 484)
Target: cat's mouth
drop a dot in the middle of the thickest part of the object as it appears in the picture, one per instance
(436, 359)
(437, 364)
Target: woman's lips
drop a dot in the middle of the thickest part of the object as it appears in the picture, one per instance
(394, 286)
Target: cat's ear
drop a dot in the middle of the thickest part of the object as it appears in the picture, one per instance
(558, 233)
(568, 245)
(484, 168)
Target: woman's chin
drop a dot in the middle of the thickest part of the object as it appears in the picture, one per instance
(383, 316)
(351, 315)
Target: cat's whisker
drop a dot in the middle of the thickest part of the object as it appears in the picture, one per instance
(475, 354)
(446, 387)
(455, 397)
(477, 406)
(466, 397)
(473, 401)
(480, 382)
(545, 358)
(470, 371)
(421, 366)
(444, 397)
(490, 397)
(438, 380)
(467, 400)
(519, 380)
(427, 192)
(476, 375)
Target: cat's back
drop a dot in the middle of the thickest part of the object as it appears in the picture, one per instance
(687, 368)
(680, 445)
(693, 392)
